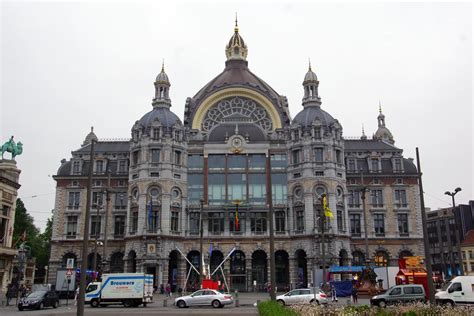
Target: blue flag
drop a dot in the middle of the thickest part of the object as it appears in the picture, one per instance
(150, 214)
(210, 250)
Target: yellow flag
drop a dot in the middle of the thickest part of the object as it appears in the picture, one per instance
(327, 211)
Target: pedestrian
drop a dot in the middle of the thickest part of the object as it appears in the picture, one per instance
(76, 296)
(162, 289)
(354, 294)
(168, 290)
(333, 293)
(9, 293)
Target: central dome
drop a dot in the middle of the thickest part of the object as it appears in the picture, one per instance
(310, 114)
(159, 114)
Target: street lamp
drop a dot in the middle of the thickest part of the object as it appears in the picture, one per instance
(201, 262)
(364, 190)
(97, 232)
(458, 238)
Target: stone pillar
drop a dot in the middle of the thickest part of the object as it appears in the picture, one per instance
(293, 272)
(182, 272)
(248, 272)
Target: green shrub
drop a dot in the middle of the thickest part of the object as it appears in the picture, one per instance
(272, 308)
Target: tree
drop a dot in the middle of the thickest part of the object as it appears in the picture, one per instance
(23, 224)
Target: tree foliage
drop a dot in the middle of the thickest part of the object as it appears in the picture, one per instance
(39, 243)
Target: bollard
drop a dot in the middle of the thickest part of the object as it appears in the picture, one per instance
(237, 304)
(165, 302)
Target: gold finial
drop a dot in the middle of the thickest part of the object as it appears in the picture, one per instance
(163, 65)
(309, 62)
(380, 107)
(236, 29)
(363, 131)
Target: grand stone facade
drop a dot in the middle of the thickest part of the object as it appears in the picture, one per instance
(237, 143)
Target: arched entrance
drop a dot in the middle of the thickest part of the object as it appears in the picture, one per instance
(132, 261)
(214, 262)
(237, 271)
(173, 269)
(382, 258)
(301, 269)
(358, 258)
(116, 263)
(343, 258)
(259, 269)
(282, 270)
(67, 256)
(193, 280)
(90, 262)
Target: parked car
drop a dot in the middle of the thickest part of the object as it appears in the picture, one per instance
(460, 290)
(399, 294)
(303, 296)
(204, 297)
(38, 300)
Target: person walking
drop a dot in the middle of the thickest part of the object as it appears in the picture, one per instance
(9, 293)
(354, 294)
(168, 290)
(333, 293)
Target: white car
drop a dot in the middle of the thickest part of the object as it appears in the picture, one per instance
(204, 297)
(303, 296)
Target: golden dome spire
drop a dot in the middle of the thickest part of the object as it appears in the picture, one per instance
(236, 48)
(236, 28)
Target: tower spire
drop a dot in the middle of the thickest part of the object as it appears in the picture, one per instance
(309, 64)
(163, 65)
(236, 48)
(236, 29)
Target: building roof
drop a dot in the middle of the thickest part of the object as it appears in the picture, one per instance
(163, 115)
(312, 113)
(105, 146)
(468, 239)
(368, 145)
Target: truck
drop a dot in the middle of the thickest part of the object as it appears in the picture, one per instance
(460, 290)
(65, 284)
(128, 289)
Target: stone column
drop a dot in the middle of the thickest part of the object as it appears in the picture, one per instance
(293, 272)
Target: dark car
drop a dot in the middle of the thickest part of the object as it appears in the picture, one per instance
(38, 300)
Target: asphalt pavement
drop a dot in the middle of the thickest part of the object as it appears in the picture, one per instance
(247, 307)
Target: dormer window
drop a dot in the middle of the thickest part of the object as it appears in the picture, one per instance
(317, 132)
(76, 167)
(397, 167)
(99, 166)
(155, 134)
(375, 165)
(338, 156)
(351, 167)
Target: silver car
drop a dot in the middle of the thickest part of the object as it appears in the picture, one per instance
(204, 297)
(303, 296)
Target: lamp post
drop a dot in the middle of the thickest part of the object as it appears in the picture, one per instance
(201, 256)
(96, 228)
(363, 190)
(458, 237)
(323, 241)
(107, 200)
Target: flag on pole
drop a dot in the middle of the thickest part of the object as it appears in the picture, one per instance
(150, 214)
(237, 219)
(210, 249)
(327, 211)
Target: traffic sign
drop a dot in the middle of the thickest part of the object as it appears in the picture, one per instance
(70, 263)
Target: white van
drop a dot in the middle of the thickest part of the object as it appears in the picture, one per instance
(459, 290)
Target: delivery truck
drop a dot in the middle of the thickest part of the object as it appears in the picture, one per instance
(128, 289)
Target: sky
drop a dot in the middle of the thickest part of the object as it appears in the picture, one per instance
(67, 66)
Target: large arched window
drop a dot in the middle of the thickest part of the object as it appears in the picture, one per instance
(381, 258)
(358, 258)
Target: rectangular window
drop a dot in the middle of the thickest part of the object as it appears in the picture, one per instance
(135, 158)
(340, 220)
(216, 189)
(236, 162)
(258, 222)
(355, 224)
(278, 161)
(400, 198)
(194, 218)
(119, 226)
(338, 156)
(74, 200)
(76, 167)
(195, 187)
(177, 157)
(296, 156)
(403, 224)
(156, 133)
(237, 186)
(241, 226)
(299, 219)
(153, 219)
(257, 162)
(279, 188)
(155, 155)
(280, 221)
(175, 220)
(379, 225)
(377, 198)
(97, 199)
(195, 162)
(216, 223)
(122, 166)
(317, 132)
(354, 198)
(71, 226)
(318, 154)
(257, 189)
(95, 225)
(398, 165)
(134, 220)
(216, 162)
(120, 200)
(351, 167)
(375, 165)
(99, 166)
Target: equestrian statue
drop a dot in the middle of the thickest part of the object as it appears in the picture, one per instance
(14, 148)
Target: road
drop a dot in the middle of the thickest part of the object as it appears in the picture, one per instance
(247, 307)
